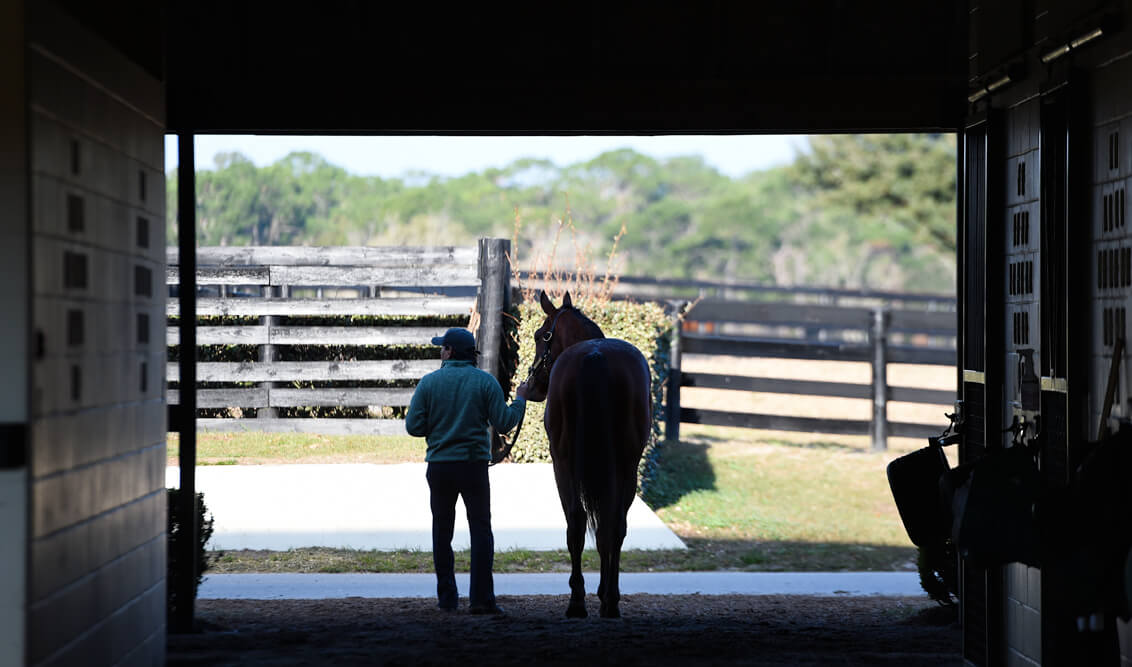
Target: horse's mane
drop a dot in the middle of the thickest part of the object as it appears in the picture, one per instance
(590, 329)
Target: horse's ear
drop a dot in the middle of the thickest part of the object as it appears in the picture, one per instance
(566, 302)
(547, 307)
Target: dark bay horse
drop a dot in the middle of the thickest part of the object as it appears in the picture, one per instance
(598, 420)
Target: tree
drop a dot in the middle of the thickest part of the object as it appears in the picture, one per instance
(888, 182)
(855, 211)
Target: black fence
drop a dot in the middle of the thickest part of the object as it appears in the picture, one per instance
(907, 329)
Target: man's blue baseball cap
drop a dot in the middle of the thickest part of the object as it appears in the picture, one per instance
(461, 341)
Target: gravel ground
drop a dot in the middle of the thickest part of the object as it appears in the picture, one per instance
(655, 630)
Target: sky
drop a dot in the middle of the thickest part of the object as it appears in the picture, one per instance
(455, 156)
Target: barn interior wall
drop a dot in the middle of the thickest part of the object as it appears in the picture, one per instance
(96, 584)
(1022, 296)
(1109, 184)
(1087, 204)
(1111, 180)
(13, 335)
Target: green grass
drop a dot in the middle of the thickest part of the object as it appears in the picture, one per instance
(739, 499)
(251, 448)
(723, 488)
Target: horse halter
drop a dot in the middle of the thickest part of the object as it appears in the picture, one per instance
(545, 357)
(508, 443)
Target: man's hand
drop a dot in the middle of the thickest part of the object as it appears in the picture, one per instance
(521, 391)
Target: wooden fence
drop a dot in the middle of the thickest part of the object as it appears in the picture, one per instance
(878, 335)
(642, 288)
(270, 283)
(277, 288)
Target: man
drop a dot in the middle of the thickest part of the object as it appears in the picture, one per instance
(452, 408)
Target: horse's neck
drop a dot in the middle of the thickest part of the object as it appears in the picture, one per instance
(582, 330)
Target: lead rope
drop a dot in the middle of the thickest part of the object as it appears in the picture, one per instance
(508, 443)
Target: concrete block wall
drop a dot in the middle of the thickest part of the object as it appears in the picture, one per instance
(1111, 182)
(1022, 621)
(1023, 615)
(96, 580)
(1020, 227)
(1111, 187)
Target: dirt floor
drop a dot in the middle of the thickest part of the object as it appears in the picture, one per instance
(655, 630)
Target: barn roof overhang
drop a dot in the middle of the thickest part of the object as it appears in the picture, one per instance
(634, 67)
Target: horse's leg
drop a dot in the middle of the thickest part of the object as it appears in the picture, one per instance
(575, 535)
(603, 556)
(610, 589)
(617, 527)
(576, 542)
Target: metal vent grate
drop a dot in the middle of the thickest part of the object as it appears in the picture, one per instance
(76, 382)
(1113, 325)
(1021, 178)
(1113, 215)
(1114, 268)
(76, 216)
(142, 236)
(75, 329)
(143, 281)
(1114, 151)
(1021, 331)
(1021, 278)
(1021, 228)
(143, 328)
(74, 270)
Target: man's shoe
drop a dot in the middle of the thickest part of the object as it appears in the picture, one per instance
(447, 607)
(494, 610)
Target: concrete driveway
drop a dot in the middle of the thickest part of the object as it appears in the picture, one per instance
(386, 507)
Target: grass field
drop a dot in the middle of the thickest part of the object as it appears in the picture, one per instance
(740, 499)
(250, 448)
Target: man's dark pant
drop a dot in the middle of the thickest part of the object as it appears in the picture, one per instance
(446, 481)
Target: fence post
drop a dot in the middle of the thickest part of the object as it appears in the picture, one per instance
(880, 379)
(494, 299)
(266, 354)
(672, 393)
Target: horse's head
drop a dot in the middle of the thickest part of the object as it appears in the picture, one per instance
(562, 328)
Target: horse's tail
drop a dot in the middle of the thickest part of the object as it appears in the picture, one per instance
(594, 459)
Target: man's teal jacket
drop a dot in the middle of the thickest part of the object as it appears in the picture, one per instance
(452, 407)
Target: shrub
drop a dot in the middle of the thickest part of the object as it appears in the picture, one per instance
(645, 325)
(175, 567)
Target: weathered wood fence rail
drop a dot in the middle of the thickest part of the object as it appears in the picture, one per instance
(274, 290)
(269, 283)
(815, 332)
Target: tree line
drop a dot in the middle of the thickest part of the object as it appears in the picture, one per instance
(852, 211)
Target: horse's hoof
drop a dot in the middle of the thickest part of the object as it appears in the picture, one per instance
(610, 612)
(576, 611)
